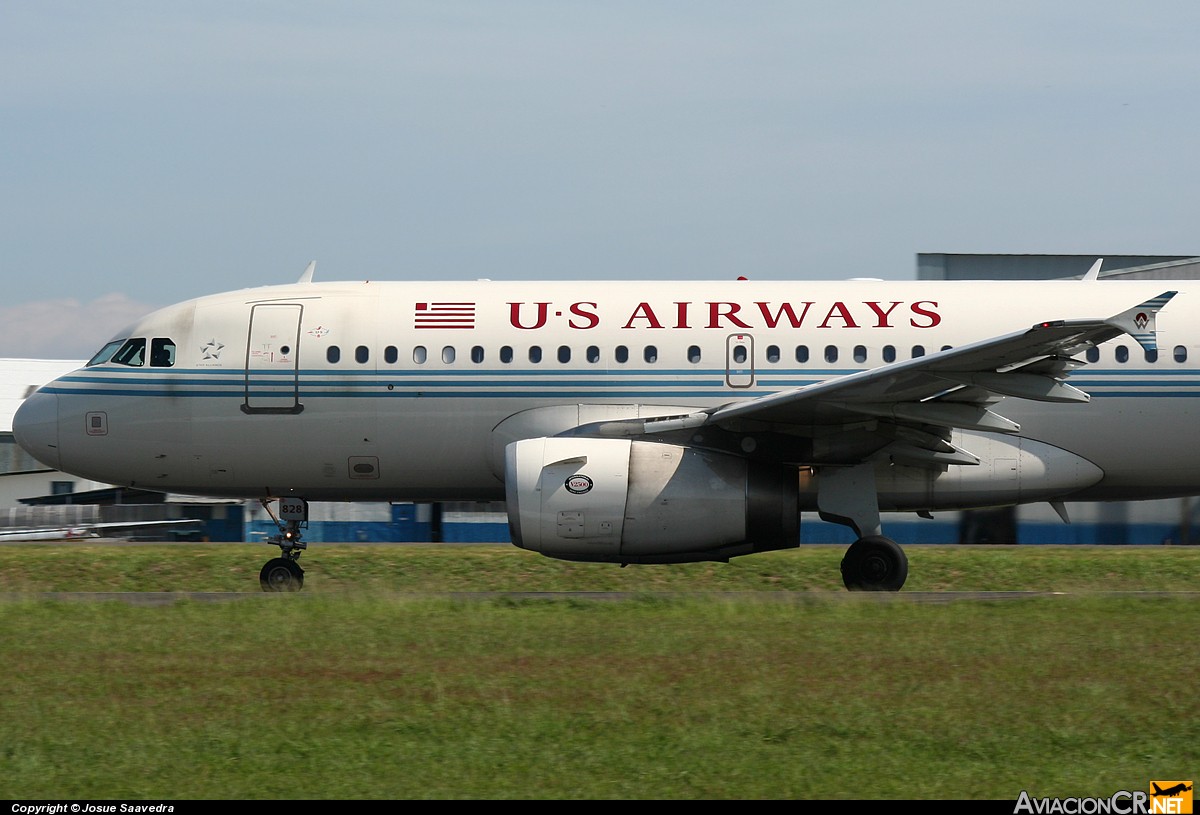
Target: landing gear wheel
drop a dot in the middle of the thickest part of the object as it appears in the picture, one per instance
(281, 574)
(874, 563)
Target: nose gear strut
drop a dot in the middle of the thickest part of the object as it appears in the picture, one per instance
(284, 573)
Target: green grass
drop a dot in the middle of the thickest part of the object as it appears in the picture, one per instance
(366, 687)
(39, 567)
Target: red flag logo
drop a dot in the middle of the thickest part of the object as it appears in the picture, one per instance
(444, 315)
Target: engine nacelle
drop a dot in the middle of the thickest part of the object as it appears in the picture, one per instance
(623, 501)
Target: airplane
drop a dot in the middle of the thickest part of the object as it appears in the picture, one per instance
(56, 533)
(91, 530)
(641, 422)
(1182, 786)
(1170, 791)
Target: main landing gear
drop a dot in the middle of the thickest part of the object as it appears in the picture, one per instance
(874, 563)
(846, 495)
(284, 573)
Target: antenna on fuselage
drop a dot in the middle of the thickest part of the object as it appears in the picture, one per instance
(308, 272)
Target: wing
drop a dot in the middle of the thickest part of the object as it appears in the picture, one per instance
(93, 530)
(909, 408)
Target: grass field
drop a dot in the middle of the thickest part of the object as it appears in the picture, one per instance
(89, 567)
(374, 684)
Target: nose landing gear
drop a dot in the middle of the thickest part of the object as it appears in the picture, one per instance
(281, 574)
(284, 573)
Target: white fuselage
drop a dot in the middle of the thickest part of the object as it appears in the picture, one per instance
(410, 391)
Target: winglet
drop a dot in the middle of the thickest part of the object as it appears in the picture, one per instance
(1138, 322)
(1094, 272)
(308, 273)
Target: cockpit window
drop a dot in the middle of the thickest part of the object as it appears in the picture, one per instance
(105, 354)
(162, 352)
(132, 353)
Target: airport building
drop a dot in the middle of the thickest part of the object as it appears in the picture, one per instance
(34, 497)
(20, 475)
(37, 500)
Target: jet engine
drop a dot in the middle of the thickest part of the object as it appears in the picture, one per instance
(624, 501)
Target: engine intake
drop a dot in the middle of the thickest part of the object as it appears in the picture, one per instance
(623, 501)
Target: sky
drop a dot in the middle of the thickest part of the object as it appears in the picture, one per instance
(151, 152)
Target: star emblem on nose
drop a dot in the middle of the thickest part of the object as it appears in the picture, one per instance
(212, 349)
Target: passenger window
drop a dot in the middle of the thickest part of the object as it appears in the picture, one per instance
(739, 354)
(772, 353)
(564, 353)
(1121, 354)
(361, 354)
(947, 347)
(535, 353)
(918, 351)
(831, 353)
(105, 353)
(860, 353)
(1180, 353)
(650, 354)
(162, 353)
(622, 354)
(889, 353)
(448, 354)
(390, 355)
(420, 355)
(477, 354)
(506, 354)
(802, 353)
(593, 353)
(1093, 354)
(333, 354)
(1152, 355)
(693, 354)
(132, 353)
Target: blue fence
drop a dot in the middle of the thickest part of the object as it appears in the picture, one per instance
(407, 525)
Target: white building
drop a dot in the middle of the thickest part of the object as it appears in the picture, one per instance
(21, 476)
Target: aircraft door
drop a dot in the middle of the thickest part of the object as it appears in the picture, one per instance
(739, 361)
(273, 359)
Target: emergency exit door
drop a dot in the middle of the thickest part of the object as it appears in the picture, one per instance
(739, 361)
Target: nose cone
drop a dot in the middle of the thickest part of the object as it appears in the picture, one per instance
(35, 427)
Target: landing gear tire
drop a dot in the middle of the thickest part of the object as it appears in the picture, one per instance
(281, 574)
(874, 563)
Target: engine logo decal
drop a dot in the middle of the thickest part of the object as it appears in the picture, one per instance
(578, 484)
